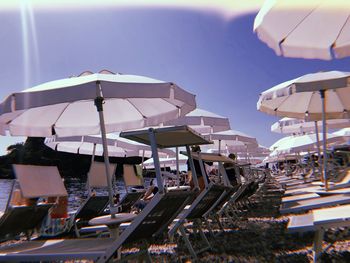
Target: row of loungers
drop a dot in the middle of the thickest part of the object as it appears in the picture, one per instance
(212, 200)
(167, 212)
(320, 208)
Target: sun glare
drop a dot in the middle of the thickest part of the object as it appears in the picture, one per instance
(226, 8)
(30, 47)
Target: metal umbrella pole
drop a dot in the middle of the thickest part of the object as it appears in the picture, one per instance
(318, 146)
(99, 105)
(322, 93)
(177, 166)
(92, 160)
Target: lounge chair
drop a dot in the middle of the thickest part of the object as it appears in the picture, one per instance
(96, 205)
(34, 182)
(152, 220)
(212, 197)
(22, 219)
(93, 206)
(324, 192)
(195, 213)
(318, 221)
(245, 189)
(314, 203)
(131, 180)
(295, 198)
(315, 186)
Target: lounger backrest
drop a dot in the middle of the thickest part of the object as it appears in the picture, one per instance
(18, 219)
(157, 218)
(130, 175)
(97, 174)
(229, 191)
(297, 206)
(205, 200)
(92, 207)
(346, 178)
(129, 200)
(39, 181)
(157, 215)
(246, 191)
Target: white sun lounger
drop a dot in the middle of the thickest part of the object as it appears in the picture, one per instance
(34, 181)
(305, 188)
(153, 219)
(314, 203)
(301, 197)
(319, 220)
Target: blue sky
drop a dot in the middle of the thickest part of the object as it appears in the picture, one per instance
(211, 55)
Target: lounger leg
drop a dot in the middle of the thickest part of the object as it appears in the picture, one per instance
(318, 244)
(76, 230)
(144, 249)
(114, 233)
(217, 218)
(209, 227)
(230, 217)
(142, 256)
(188, 243)
(206, 241)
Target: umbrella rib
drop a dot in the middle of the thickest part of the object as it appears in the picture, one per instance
(52, 126)
(342, 102)
(341, 30)
(284, 100)
(301, 21)
(143, 116)
(308, 105)
(61, 113)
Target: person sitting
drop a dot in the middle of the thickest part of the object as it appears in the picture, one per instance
(151, 191)
(197, 167)
(231, 170)
(116, 198)
(18, 199)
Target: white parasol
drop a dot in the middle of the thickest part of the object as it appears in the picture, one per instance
(308, 29)
(66, 107)
(305, 98)
(202, 121)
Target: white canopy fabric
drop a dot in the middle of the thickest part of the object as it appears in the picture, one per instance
(343, 133)
(66, 107)
(299, 98)
(257, 151)
(230, 136)
(307, 142)
(202, 121)
(251, 159)
(241, 149)
(232, 141)
(117, 146)
(171, 161)
(88, 148)
(93, 104)
(228, 146)
(291, 125)
(306, 29)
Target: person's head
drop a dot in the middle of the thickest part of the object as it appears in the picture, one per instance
(232, 156)
(195, 148)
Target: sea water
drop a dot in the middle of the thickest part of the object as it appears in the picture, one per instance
(76, 188)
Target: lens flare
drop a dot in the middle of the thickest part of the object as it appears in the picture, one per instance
(226, 8)
(30, 48)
